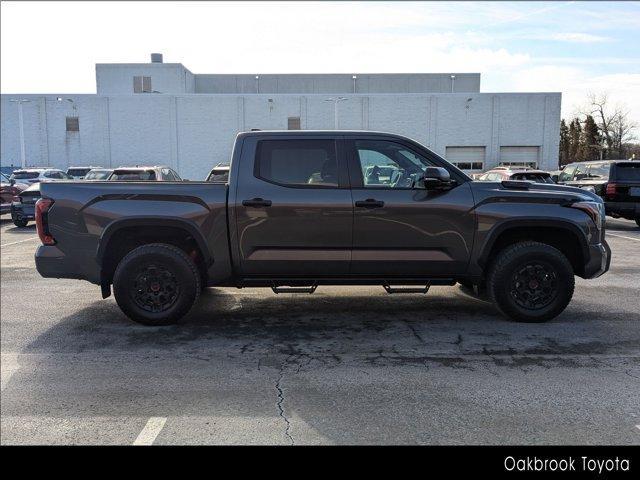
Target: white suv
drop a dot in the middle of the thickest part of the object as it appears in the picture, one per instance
(35, 175)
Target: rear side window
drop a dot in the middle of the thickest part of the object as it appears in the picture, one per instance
(599, 171)
(628, 171)
(309, 163)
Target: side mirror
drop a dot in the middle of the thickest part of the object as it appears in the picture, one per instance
(12, 181)
(435, 178)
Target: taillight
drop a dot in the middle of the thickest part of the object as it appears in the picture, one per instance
(611, 189)
(42, 221)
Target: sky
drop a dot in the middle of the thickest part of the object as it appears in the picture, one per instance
(569, 47)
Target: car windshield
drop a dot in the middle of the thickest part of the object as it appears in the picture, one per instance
(4, 178)
(78, 172)
(628, 171)
(533, 177)
(133, 175)
(97, 175)
(599, 170)
(25, 175)
(218, 175)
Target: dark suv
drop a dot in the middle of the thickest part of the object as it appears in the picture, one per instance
(617, 182)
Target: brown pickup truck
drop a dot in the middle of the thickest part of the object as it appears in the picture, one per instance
(309, 208)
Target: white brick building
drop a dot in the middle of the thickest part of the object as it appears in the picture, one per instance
(161, 113)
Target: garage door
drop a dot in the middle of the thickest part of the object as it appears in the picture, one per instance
(466, 158)
(519, 156)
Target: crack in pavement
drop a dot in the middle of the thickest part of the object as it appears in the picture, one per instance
(280, 401)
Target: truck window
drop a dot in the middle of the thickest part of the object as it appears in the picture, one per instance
(387, 164)
(297, 163)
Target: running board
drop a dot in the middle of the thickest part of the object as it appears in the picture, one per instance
(309, 289)
(390, 290)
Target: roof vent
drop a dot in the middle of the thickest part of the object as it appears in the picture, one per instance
(156, 58)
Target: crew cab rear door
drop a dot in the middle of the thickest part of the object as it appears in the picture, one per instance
(400, 230)
(292, 206)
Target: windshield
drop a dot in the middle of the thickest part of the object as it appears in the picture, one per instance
(218, 175)
(78, 172)
(133, 175)
(24, 175)
(533, 177)
(4, 178)
(97, 175)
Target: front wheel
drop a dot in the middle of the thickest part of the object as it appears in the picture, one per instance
(530, 282)
(19, 222)
(156, 284)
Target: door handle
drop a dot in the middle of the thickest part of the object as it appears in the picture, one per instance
(370, 203)
(256, 202)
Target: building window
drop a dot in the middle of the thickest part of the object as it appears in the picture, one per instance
(73, 124)
(293, 123)
(469, 165)
(141, 84)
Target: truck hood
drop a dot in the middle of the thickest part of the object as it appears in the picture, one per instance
(560, 193)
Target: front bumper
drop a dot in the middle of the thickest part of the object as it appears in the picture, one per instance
(628, 210)
(23, 211)
(599, 260)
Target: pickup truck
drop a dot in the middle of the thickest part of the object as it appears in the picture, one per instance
(308, 208)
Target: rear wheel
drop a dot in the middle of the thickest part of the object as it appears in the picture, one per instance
(156, 284)
(530, 282)
(19, 222)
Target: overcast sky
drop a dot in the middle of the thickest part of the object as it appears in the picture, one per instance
(570, 47)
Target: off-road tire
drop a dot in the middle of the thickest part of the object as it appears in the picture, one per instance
(178, 283)
(507, 268)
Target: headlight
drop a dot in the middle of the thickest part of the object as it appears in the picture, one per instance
(594, 209)
(17, 199)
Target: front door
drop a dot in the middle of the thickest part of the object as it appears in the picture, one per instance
(400, 230)
(294, 211)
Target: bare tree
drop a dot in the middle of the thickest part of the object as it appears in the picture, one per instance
(613, 122)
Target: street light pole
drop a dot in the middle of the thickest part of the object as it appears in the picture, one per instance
(23, 152)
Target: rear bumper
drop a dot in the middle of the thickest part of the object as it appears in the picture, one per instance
(599, 260)
(51, 262)
(23, 211)
(628, 210)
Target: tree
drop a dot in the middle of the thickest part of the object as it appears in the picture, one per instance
(591, 140)
(614, 124)
(564, 143)
(574, 141)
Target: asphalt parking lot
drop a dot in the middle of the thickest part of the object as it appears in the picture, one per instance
(346, 365)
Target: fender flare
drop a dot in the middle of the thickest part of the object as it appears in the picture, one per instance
(153, 221)
(514, 223)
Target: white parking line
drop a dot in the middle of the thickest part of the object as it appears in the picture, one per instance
(150, 431)
(19, 241)
(638, 427)
(622, 236)
(8, 366)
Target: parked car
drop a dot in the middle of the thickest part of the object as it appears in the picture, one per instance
(158, 244)
(500, 174)
(78, 173)
(35, 175)
(617, 182)
(219, 173)
(157, 173)
(23, 205)
(96, 174)
(9, 188)
(555, 174)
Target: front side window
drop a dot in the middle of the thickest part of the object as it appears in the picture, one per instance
(385, 164)
(599, 171)
(298, 163)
